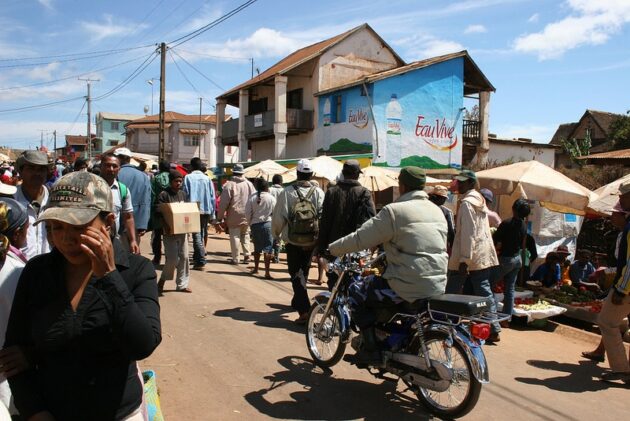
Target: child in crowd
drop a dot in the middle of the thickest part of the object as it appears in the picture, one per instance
(549, 272)
(581, 269)
(175, 245)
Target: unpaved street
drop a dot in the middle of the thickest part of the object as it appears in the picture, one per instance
(231, 352)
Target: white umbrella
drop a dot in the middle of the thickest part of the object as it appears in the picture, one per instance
(606, 197)
(323, 167)
(535, 181)
(265, 169)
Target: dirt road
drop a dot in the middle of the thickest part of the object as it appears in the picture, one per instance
(230, 351)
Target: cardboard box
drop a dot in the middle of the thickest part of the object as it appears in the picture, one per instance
(180, 218)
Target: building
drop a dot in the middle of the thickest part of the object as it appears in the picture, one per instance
(594, 123)
(504, 151)
(353, 94)
(76, 146)
(110, 128)
(186, 136)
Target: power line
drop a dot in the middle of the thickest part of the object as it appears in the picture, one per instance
(78, 54)
(214, 56)
(198, 71)
(129, 78)
(69, 130)
(51, 82)
(44, 63)
(188, 80)
(197, 32)
(169, 14)
(46, 105)
(140, 23)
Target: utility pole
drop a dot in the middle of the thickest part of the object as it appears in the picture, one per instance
(252, 62)
(41, 139)
(88, 98)
(55, 144)
(162, 154)
(200, 142)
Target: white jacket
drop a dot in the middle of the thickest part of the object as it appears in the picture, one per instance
(473, 243)
(413, 233)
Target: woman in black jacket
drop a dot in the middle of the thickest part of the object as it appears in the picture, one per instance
(83, 313)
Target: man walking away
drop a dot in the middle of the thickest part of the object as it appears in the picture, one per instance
(473, 253)
(33, 168)
(347, 205)
(110, 166)
(159, 183)
(259, 209)
(275, 190)
(140, 189)
(234, 198)
(295, 221)
(200, 190)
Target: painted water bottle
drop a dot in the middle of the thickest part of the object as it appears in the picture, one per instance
(393, 113)
(327, 112)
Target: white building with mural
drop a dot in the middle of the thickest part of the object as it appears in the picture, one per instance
(352, 94)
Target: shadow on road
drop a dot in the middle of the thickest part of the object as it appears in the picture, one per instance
(271, 319)
(324, 397)
(579, 378)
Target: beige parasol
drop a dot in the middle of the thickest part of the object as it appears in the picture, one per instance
(323, 166)
(265, 169)
(606, 197)
(378, 178)
(535, 181)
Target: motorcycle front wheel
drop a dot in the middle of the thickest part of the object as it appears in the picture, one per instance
(325, 345)
(463, 393)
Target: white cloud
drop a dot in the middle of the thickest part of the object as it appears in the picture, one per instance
(537, 132)
(475, 29)
(206, 15)
(24, 134)
(41, 72)
(61, 90)
(425, 45)
(186, 102)
(48, 4)
(108, 28)
(590, 23)
(533, 18)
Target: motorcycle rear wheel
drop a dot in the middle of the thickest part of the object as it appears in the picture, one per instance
(326, 347)
(462, 395)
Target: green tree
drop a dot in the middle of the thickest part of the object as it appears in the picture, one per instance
(620, 132)
(577, 148)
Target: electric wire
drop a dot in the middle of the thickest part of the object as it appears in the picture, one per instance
(196, 53)
(75, 56)
(39, 106)
(188, 80)
(198, 71)
(69, 129)
(129, 78)
(199, 31)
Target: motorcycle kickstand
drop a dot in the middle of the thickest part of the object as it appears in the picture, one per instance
(379, 375)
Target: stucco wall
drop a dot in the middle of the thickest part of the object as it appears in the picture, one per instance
(500, 152)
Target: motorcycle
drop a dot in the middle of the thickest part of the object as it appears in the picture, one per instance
(434, 346)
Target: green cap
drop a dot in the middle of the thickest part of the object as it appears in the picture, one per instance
(466, 175)
(413, 177)
(77, 198)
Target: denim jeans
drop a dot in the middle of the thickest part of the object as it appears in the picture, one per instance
(480, 282)
(508, 269)
(199, 251)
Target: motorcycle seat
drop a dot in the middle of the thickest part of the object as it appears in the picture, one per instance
(462, 305)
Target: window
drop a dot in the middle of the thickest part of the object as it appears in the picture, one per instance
(294, 99)
(115, 125)
(113, 142)
(191, 140)
(257, 106)
(337, 114)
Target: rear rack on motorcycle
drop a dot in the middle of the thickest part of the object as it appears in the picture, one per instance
(456, 319)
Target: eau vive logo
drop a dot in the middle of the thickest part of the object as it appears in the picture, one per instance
(358, 117)
(440, 136)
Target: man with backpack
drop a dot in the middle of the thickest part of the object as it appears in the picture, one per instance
(296, 221)
(110, 166)
(347, 206)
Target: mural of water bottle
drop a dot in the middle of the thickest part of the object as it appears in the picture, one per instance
(327, 112)
(393, 114)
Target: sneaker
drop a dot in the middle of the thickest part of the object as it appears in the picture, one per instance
(613, 376)
(199, 267)
(186, 290)
(593, 357)
(246, 259)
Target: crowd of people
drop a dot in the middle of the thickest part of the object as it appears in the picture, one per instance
(73, 282)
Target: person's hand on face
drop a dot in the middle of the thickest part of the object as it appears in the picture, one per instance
(12, 361)
(97, 245)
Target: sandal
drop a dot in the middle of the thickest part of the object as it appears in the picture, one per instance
(314, 282)
(186, 290)
(593, 357)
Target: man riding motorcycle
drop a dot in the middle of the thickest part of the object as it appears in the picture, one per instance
(413, 233)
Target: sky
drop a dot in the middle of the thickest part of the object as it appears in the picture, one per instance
(549, 60)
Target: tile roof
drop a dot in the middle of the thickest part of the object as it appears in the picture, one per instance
(77, 140)
(618, 154)
(563, 131)
(118, 116)
(301, 56)
(471, 73)
(174, 117)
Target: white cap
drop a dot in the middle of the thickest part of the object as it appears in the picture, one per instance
(123, 152)
(7, 189)
(304, 165)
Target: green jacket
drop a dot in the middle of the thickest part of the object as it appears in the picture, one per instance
(159, 183)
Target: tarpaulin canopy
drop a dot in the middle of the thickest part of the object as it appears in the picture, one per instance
(535, 181)
(265, 169)
(606, 197)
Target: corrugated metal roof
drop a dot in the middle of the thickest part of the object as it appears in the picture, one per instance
(174, 117)
(146, 126)
(192, 131)
(117, 116)
(619, 154)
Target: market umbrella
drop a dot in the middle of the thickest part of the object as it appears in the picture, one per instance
(378, 178)
(535, 181)
(606, 197)
(265, 169)
(323, 166)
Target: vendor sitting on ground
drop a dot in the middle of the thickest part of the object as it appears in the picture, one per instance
(581, 269)
(549, 272)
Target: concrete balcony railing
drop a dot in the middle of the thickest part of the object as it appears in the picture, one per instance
(260, 126)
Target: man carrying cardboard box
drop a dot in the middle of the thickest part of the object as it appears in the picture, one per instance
(175, 245)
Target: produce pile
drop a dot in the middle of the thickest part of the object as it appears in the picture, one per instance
(574, 297)
(530, 304)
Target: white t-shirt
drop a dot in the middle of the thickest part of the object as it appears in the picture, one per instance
(36, 240)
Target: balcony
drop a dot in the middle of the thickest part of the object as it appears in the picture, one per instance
(260, 126)
(471, 132)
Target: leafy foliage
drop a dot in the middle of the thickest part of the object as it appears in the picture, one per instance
(576, 148)
(620, 132)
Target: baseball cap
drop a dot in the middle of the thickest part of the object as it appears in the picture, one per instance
(440, 191)
(352, 166)
(238, 169)
(487, 194)
(624, 188)
(466, 175)
(413, 177)
(33, 158)
(16, 214)
(123, 152)
(77, 198)
(304, 165)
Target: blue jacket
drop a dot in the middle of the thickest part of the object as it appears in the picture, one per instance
(201, 190)
(140, 188)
